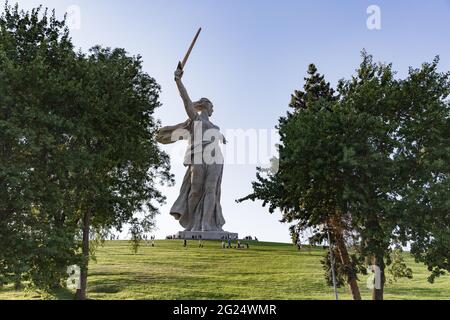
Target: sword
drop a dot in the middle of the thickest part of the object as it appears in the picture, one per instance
(186, 57)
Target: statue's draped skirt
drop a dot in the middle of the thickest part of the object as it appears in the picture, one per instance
(201, 183)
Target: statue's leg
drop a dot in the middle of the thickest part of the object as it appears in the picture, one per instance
(209, 204)
(195, 195)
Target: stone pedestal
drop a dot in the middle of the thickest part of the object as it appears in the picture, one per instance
(207, 235)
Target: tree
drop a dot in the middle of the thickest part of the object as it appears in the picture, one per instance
(423, 170)
(404, 198)
(366, 166)
(120, 160)
(79, 155)
(369, 101)
(305, 187)
(37, 233)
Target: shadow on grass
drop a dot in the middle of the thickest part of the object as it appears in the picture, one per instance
(415, 292)
(35, 294)
(149, 287)
(138, 289)
(63, 294)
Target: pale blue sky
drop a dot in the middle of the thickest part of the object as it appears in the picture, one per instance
(250, 57)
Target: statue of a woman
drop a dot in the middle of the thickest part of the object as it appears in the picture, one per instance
(198, 205)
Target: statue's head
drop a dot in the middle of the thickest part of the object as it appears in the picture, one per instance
(204, 105)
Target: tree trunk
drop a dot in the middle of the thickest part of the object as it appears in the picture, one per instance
(81, 293)
(377, 293)
(338, 234)
(378, 250)
(345, 259)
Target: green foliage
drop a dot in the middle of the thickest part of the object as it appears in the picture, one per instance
(76, 136)
(397, 267)
(121, 162)
(376, 157)
(36, 230)
(138, 228)
(423, 170)
(315, 88)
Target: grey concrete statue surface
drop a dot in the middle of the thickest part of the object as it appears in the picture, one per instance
(198, 207)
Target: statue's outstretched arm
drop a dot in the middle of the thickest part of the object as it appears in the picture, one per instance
(188, 105)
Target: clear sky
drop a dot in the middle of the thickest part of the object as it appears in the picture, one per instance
(250, 57)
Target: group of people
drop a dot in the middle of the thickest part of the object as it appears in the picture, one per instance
(224, 244)
(200, 243)
(238, 246)
(250, 238)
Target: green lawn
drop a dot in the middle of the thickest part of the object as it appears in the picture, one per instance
(265, 271)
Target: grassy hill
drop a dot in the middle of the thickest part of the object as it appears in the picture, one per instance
(264, 271)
